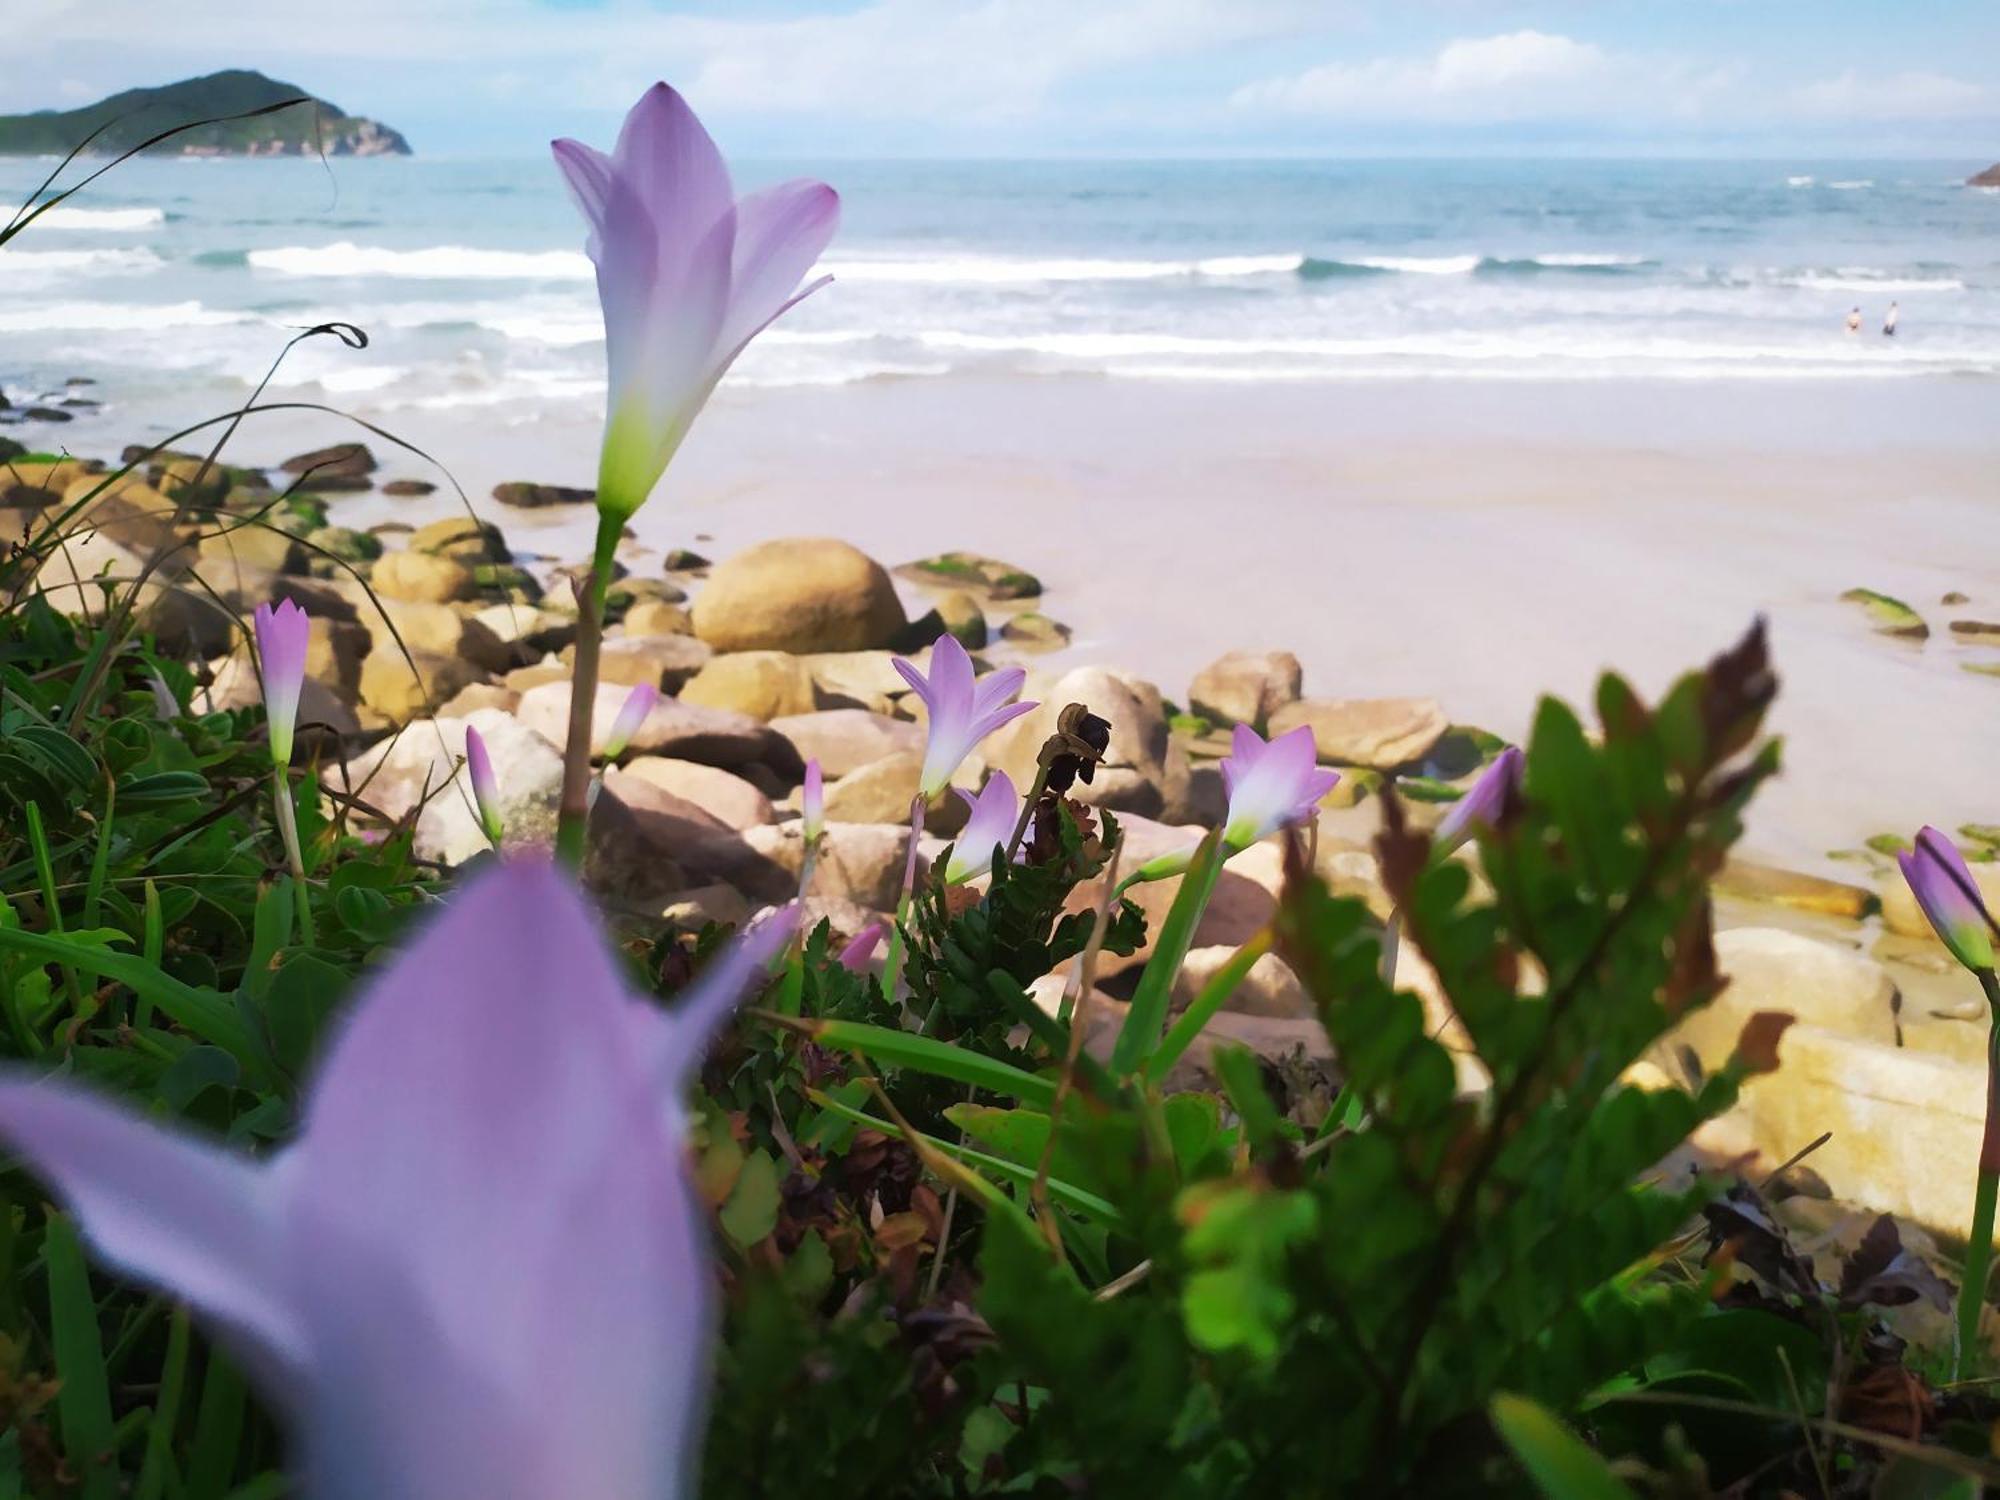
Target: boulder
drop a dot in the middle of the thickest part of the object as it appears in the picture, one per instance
(720, 904)
(845, 739)
(712, 736)
(799, 594)
(763, 684)
(527, 628)
(1246, 687)
(1269, 989)
(962, 618)
(530, 496)
(724, 796)
(1143, 770)
(328, 546)
(464, 538)
(882, 791)
(421, 578)
(1034, 631)
(657, 617)
(344, 466)
(1380, 733)
(480, 695)
(858, 862)
(401, 689)
(1816, 983)
(681, 560)
(702, 847)
(985, 576)
(666, 661)
(403, 487)
(1751, 881)
(437, 628)
(259, 546)
(1990, 178)
(335, 650)
(858, 679)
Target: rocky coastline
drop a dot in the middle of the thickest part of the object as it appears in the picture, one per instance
(782, 652)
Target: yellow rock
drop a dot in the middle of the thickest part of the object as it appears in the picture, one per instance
(763, 684)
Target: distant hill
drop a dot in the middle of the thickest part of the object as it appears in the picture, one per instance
(140, 113)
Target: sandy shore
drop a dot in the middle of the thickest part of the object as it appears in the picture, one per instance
(1479, 542)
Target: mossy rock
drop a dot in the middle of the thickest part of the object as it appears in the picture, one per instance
(464, 538)
(1888, 843)
(681, 560)
(300, 515)
(342, 543)
(1032, 630)
(1192, 726)
(968, 570)
(1981, 833)
(1983, 668)
(1427, 789)
(1977, 632)
(1889, 615)
(505, 581)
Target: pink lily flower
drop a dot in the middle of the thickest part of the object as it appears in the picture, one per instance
(688, 273)
(962, 713)
(480, 1268)
(485, 788)
(988, 827)
(283, 635)
(1480, 806)
(812, 804)
(860, 949)
(1950, 898)
(1271, 786)
(641, 701)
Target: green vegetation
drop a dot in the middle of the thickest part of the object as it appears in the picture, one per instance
(124, 120)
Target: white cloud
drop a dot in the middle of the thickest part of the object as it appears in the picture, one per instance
(1894, 96)
(1513, 77)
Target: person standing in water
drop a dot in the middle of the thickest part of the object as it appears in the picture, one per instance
(1889, 323)
(1854, 321)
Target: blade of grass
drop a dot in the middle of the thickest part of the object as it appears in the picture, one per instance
(903, 1049)
(45, 875)
(1562, 1467)
(153, 949)
(218, 1428)
(201, 1011)
(166, 1412)
(100, 860)
(1140, 1036)
(1214, 995)
(84, 1400)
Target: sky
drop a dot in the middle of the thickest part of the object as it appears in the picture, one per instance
(833, 78)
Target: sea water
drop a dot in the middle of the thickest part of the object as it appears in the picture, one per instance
(180, 280)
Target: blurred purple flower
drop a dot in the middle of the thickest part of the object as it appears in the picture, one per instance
(1480, 806)
(641, 701)
(962, 713)
(283, 634)
(687, 273)
(485, 789)
(989, 826)
(1271, 785)
(861, 947)
(1949, 896)
(480, 1268)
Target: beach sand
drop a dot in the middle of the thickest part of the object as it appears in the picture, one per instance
(1480, 542)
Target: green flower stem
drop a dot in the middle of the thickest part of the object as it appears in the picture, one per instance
(573, 816)
(1979, 1248)
(288, 829)
(892, 965)
(1392, 942)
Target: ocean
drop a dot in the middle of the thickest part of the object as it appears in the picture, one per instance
(175, 282)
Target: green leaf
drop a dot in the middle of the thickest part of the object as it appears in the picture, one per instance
(752, 1210)
(1214, 995)
(301, 996)
(202, 1012)
(1559, 1463)
(1141, 1033)
(156, 788)
(84, 1401)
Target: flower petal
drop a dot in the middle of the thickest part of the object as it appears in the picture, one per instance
(587, 172)
(192, 1219)
(781, 232)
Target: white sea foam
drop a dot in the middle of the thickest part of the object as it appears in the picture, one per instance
(1420, 265)
(1568, 260)
(113, 317)
(1805, 179)
(988, 270)
(1853, 185)
(434, 262)
(100, 218)
(1867, 279)
(71, 262)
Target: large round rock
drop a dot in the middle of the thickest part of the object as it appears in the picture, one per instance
(798, 594)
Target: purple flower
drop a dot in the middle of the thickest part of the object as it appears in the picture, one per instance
(812, 803)
(861, 947)
(687, 273)
(1271, 786)
(1480, 807)
(283, 634)
(641, 701)
(1949, 896)
(988, 827)
(480, 1268)
(961, 713)
(485, 789)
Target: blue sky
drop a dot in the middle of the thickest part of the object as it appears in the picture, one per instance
(1087, 77)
